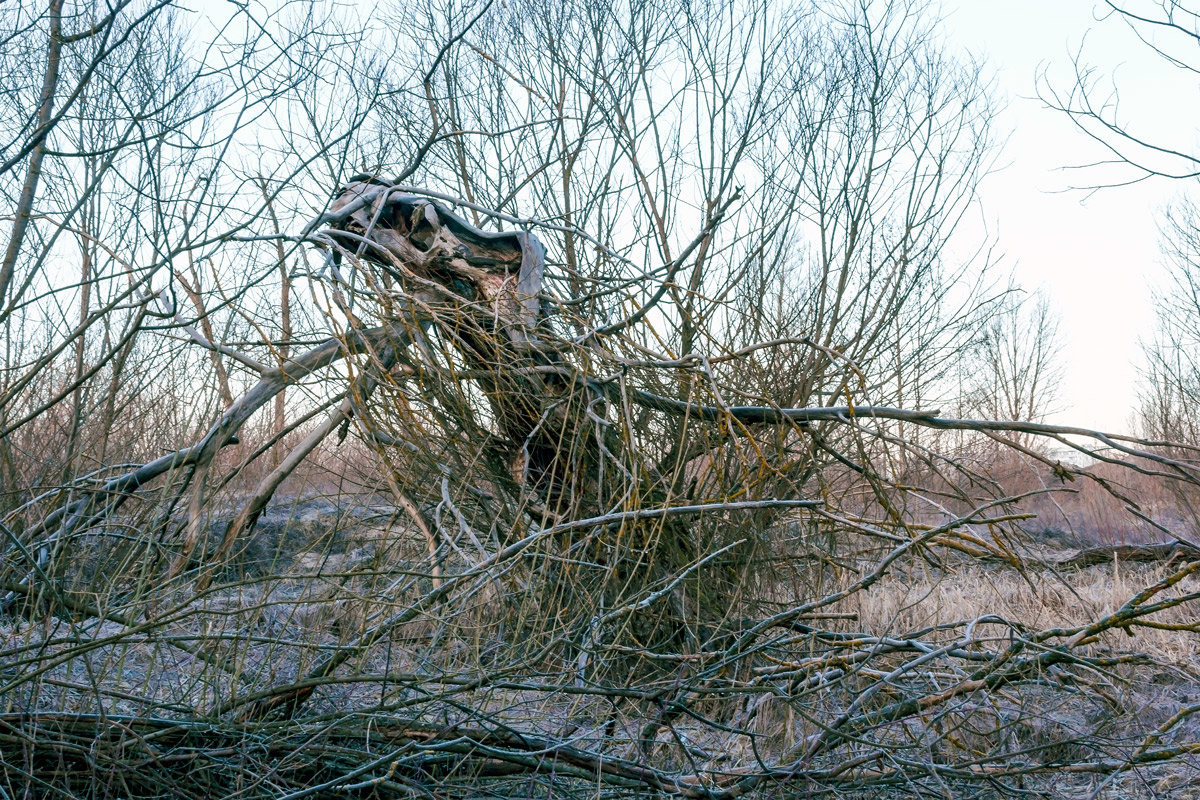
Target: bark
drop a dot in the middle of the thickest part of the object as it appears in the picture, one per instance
(484, 286)
(34, 171)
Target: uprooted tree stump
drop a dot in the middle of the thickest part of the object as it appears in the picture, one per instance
(484, 291)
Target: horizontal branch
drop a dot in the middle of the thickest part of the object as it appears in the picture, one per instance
(224, 431)
(776, 416)
(771, 415)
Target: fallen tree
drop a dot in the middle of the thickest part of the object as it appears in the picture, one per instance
(622, 580)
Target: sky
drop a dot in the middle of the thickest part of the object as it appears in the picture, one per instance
(1095, 254)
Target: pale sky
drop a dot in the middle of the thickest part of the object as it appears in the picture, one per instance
(1097, 255)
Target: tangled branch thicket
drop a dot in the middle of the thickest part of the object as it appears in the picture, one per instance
(599, 462)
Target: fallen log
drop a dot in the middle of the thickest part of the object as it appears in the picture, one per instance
(1165, 552)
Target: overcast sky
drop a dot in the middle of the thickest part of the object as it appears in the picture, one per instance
(1096, 255)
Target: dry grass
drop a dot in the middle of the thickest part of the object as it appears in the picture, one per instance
(458, 667)
(923, 596)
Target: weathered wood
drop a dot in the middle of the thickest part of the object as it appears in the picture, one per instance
(1130, 553)
(483, 288)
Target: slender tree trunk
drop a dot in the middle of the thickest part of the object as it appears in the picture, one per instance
(285, 321)
(34, 171)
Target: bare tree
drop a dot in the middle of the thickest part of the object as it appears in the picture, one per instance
(1173, 372)
(1170, 30)
(1018, 369)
